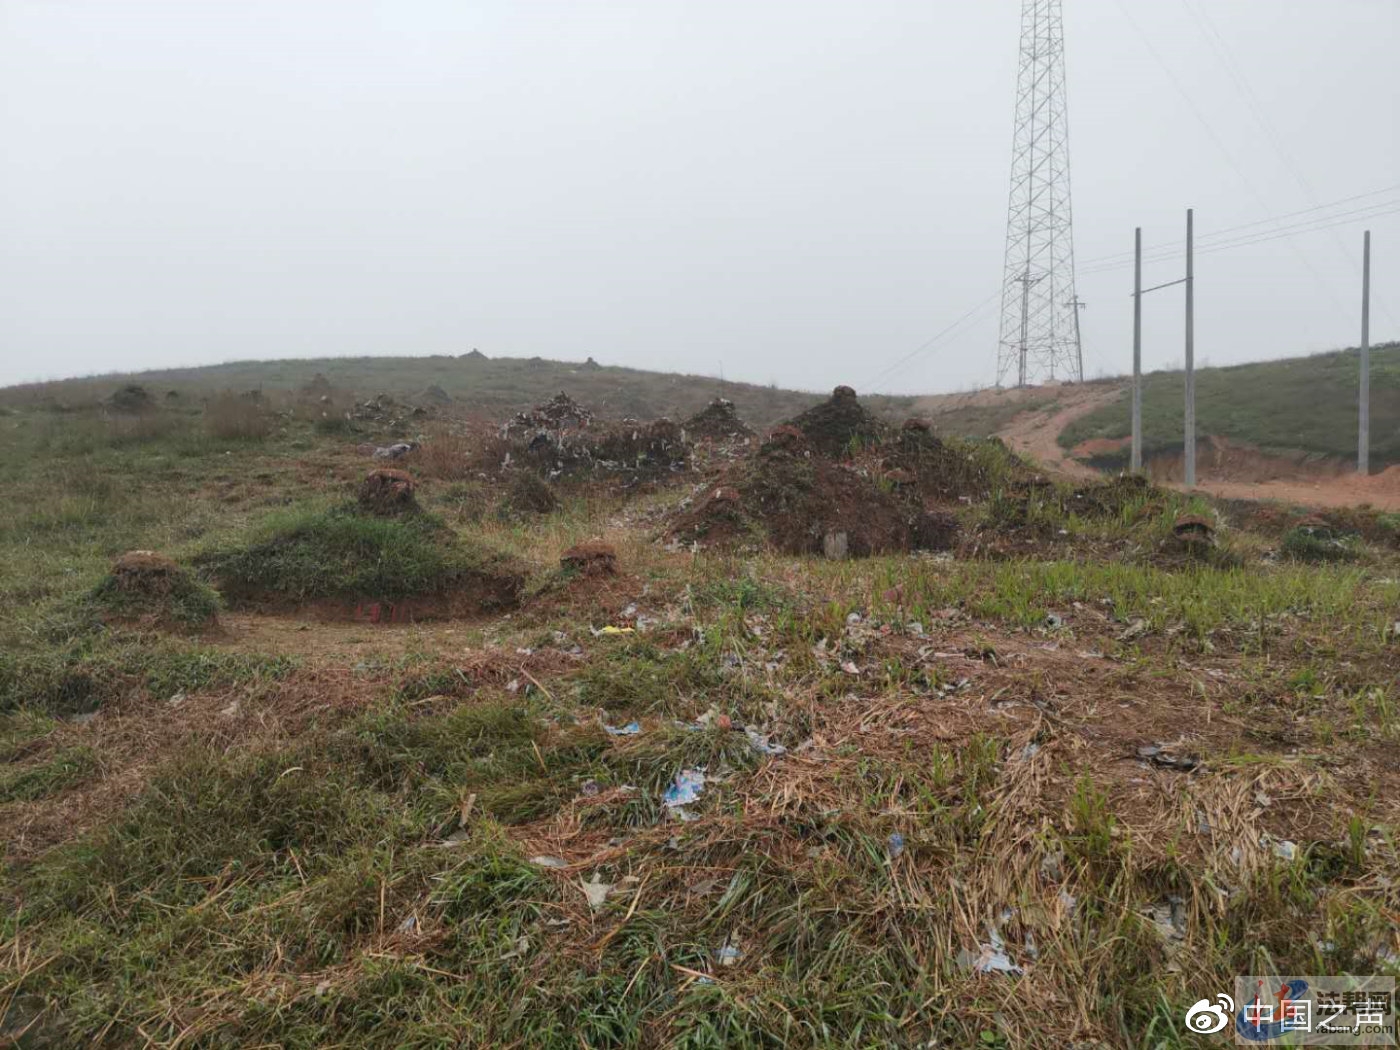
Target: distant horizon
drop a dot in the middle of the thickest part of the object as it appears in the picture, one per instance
(115, 376)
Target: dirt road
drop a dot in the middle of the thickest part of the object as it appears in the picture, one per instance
(1036, 433)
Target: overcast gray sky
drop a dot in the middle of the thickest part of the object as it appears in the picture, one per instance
(799, 192)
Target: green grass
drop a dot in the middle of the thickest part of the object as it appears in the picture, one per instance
(48, 777)
(187, 602)
(498, 386)
(314, 553)
(86, 674)
(1301, 544)
(982, 421)
(343, 856)
(1303, 404)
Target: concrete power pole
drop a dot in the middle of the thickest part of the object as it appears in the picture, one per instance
(1136, 462)
(1363, 437)
(1190, 449)
(1078, 304)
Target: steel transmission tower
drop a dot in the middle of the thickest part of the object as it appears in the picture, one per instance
(1039, 331)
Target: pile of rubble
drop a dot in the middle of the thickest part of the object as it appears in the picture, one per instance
(717, 421)
(560, 413)
(801, 493)
(840, 425)
(384, 412)
(560, 439)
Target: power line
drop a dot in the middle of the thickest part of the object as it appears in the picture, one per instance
(1258, 222)
(1260, 237)
(1326, 286)
(928, 344)
(1201, 15)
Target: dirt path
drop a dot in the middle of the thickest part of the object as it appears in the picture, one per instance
(1036, 434)
(1381, 491)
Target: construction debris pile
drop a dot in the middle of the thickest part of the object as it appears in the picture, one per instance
(560, 413)
(717, 421)
(560, 439)
(383, 412)
(821, 484)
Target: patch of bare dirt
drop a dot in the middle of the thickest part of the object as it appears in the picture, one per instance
(1036, 434)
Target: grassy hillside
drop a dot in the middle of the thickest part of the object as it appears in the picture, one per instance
(493, 387)
(1036, 796)
(1305, 403)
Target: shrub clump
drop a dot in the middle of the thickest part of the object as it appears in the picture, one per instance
(147, 586)
(1313, 539)
(345, 554)
(530, 494)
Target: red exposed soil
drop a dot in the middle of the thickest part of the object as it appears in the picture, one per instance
(1224, 468)
(1037, 433)
(388, 491)
(594, 558)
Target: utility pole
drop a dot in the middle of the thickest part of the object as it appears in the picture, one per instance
(1363, 437)
(1136, 462)
(1078, 304)
(1190, 450)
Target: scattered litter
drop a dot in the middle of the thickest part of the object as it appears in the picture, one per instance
(1053, 620)
(1029, 751)
(457, 837)
(687, 788)
(991, 957)
(729, 954)
(762, 744)
(522, 946)
(1136, 629)
(853, 618)
(590, 788)
(596, 891)
(231, 710)
(849, 667)
(82, 718)
(1284, 849)
(895, 845)
(549, 862)
(630, 729)
(613, 629)
(409, 925)
(1158, 755)
(1168, 917)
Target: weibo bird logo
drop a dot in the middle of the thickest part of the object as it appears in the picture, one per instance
(1206, 1017)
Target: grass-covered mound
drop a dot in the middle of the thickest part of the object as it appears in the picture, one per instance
(344, 555)
(150, 588)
